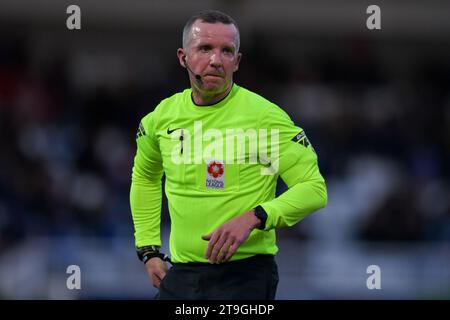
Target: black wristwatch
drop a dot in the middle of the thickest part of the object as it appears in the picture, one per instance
(261, 214)
(147, 252)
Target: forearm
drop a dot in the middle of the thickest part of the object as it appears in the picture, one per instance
(295, 204)
(145, 202)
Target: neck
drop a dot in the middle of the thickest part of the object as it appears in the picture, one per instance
(206, 98)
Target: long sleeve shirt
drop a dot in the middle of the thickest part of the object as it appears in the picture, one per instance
(220, 161)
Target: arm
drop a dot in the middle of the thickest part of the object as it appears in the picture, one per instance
(298, 167)
(146, 195)
(306, 193)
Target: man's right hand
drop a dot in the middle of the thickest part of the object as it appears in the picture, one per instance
(156, 269)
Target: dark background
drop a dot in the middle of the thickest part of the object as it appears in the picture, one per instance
(374, 103)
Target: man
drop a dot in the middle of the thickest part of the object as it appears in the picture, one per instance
(222, 149)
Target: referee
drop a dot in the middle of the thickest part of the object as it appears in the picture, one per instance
(220, 190)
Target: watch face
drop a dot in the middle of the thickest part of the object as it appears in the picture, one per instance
(260, 213)
(262, 216)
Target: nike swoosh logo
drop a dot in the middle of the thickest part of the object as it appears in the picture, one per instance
(170, 131)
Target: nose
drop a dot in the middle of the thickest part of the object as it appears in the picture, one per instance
(216, 60)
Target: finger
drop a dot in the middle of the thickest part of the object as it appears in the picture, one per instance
(217, 249)
(215, 236)
(156, 281)
(207, 237)
(224, 251)
(232, 250)
(160, 274)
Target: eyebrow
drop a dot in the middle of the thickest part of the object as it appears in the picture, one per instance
(208, 45)
(204, 44)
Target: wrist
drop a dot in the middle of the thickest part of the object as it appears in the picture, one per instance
(261, 215)
(254, 221)
(147, 253)
(149, 258)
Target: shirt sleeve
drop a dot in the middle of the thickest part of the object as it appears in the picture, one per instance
(146, 185)
(297, 164)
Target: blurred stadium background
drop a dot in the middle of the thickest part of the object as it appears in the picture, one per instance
(375, 104)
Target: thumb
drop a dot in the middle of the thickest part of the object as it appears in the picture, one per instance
(207, 237)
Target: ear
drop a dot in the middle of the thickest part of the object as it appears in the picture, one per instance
(238, 60)
(181, 54)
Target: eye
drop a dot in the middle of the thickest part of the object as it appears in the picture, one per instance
(205, 48)
(228, 50)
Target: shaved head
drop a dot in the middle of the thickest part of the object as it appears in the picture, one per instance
(209, 16)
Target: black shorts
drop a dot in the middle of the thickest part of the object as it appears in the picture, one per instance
(254, 278)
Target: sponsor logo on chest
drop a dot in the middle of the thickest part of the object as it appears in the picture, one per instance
(215, 174)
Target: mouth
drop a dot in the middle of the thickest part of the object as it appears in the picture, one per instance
(213, 75)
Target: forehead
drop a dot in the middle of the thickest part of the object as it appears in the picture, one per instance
(213, 33)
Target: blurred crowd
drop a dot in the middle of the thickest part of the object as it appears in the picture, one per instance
(66, 154)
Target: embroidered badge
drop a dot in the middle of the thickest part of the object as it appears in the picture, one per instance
(140, 131)
(215, 174)
(302, 139)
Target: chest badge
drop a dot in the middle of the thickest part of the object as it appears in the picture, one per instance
(215, 175)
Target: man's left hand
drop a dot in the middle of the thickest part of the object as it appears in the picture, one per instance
(226, 239)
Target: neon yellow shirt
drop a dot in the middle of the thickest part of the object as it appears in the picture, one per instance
(216, 168)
